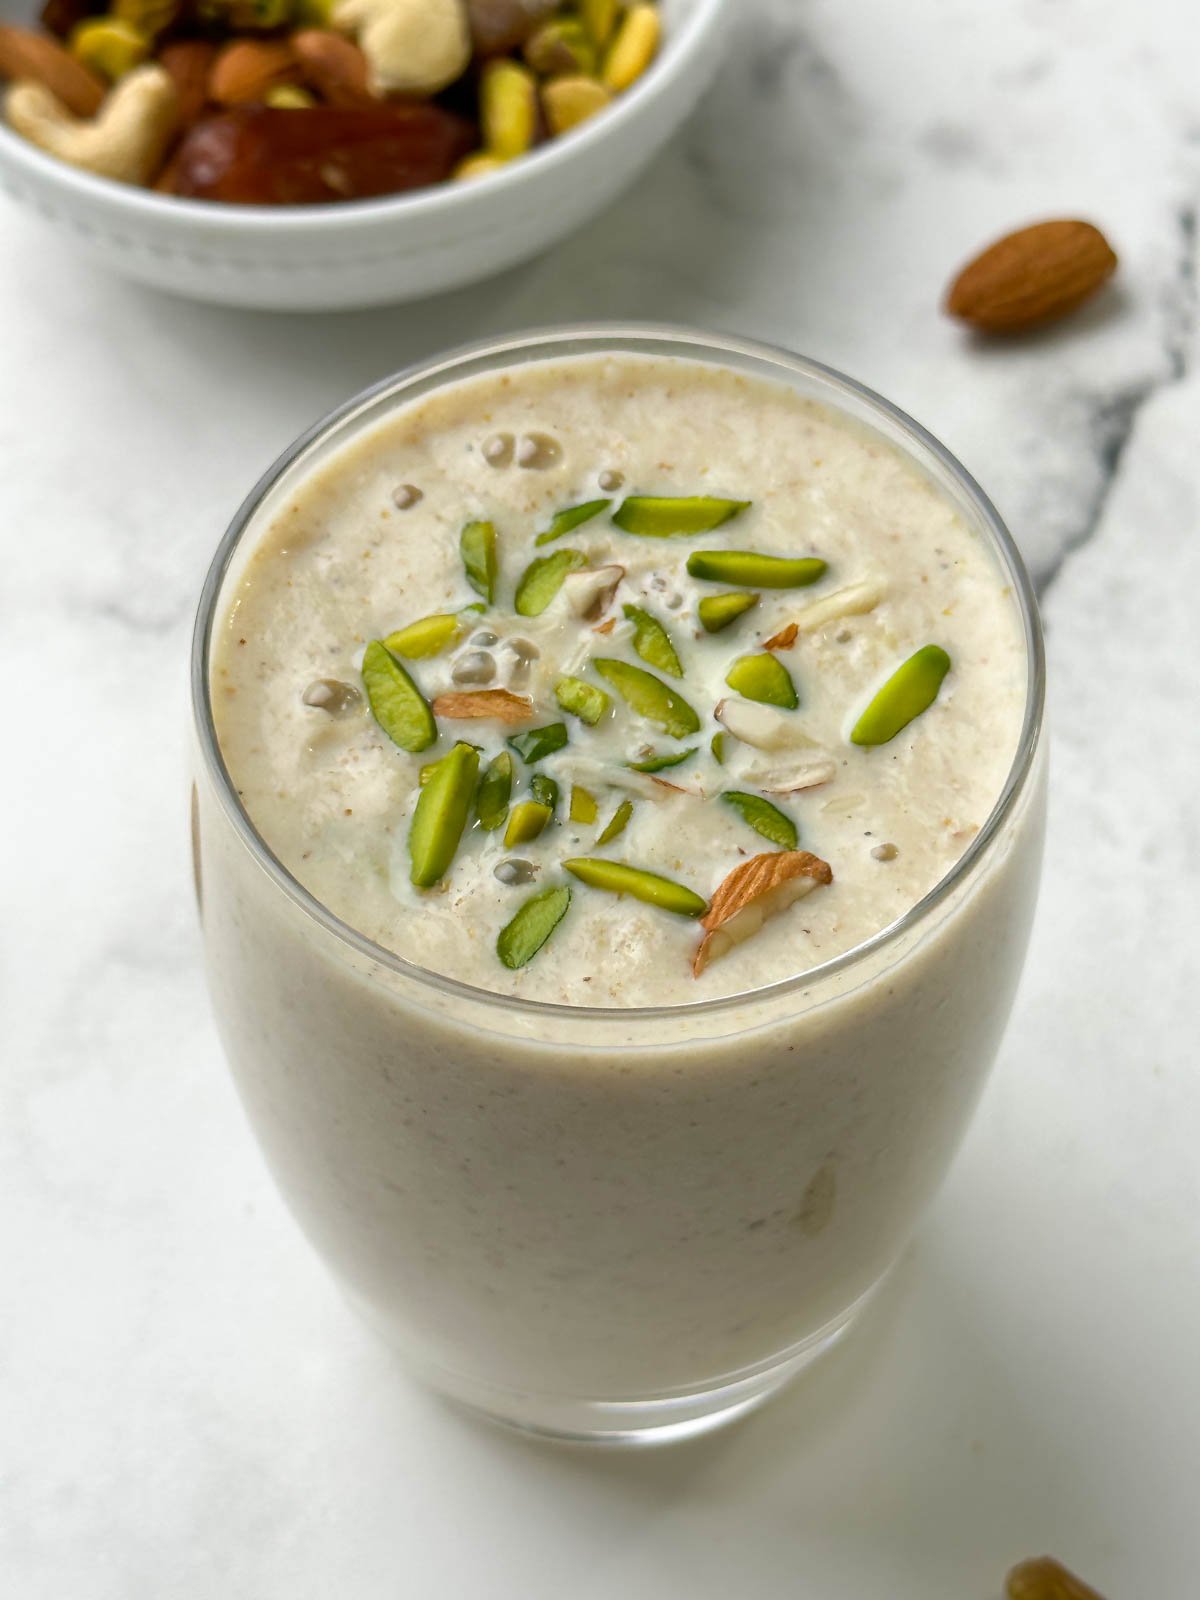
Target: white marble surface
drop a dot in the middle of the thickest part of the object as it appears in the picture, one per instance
(186, 1410)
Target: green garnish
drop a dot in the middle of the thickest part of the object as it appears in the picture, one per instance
(619, 878)
(477, 546)
(764, 678)
(672, 516)
(543, 578)
(495, 791)
(717, 611)
(545, 792)
(582, 700)
(397, 705)
(617, 822)
(660, 763)
(764, 818)
(441, 814)
(533, 924)
(649, 697)
(717, 746)
(525, 821)
(583, 805)
(572, 517)
(535, 744)
(427, 637)
(755, 571)
(652, 641)
(910, 690)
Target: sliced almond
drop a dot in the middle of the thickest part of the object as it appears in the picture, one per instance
(852, 601)
(761, 725)
(589, 593)
(500, 704)
(752, 892)
(784, 639)
(806, 770)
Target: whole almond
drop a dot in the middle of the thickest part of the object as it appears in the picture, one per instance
(334, 66)
(245, 70)
(1031, 277)
(36, 58)
(189, 63)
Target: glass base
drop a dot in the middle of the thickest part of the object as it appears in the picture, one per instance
(661, 1419)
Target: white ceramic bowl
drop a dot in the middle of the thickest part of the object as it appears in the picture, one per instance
(372, 252)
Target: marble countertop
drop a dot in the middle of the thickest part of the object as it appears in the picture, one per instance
(186, 1409)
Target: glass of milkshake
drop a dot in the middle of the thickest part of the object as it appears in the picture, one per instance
(617, 826)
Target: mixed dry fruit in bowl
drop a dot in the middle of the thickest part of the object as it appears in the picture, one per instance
(297, 102)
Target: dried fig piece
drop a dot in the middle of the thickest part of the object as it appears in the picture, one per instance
(259, 156)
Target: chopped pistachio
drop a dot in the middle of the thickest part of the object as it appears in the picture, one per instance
(396, 703)
(717, 611)
(911, 689)
(582, 700)
(619, 878)
(652, 641)
(660, 763)
(755, 571)
(495, 791)
(649, 697)
(583, 805)
(441, 814)
(533, 924)
(572, 517)
(542, 579)
(675, 516)
(717, 746)
(617, 823)
(535, 744)
(765, 678)
(477, 546)
(525, 821)
(764, 818)
(544, 791)
(428, 636)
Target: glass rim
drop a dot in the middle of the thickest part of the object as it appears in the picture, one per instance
(564, 339)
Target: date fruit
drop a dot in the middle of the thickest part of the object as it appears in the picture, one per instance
(255, 155)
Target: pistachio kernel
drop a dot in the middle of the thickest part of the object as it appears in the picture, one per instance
(405, 496)
(331, 695)
(533, 924)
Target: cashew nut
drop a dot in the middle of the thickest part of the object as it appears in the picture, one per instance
(127, 138)
(412, 46)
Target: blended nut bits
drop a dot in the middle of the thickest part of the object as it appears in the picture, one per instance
(654, 696)
(300, 102)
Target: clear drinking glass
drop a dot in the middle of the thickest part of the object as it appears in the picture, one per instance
(597, 1223)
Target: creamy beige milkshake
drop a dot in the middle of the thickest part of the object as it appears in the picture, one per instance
(606, 716)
